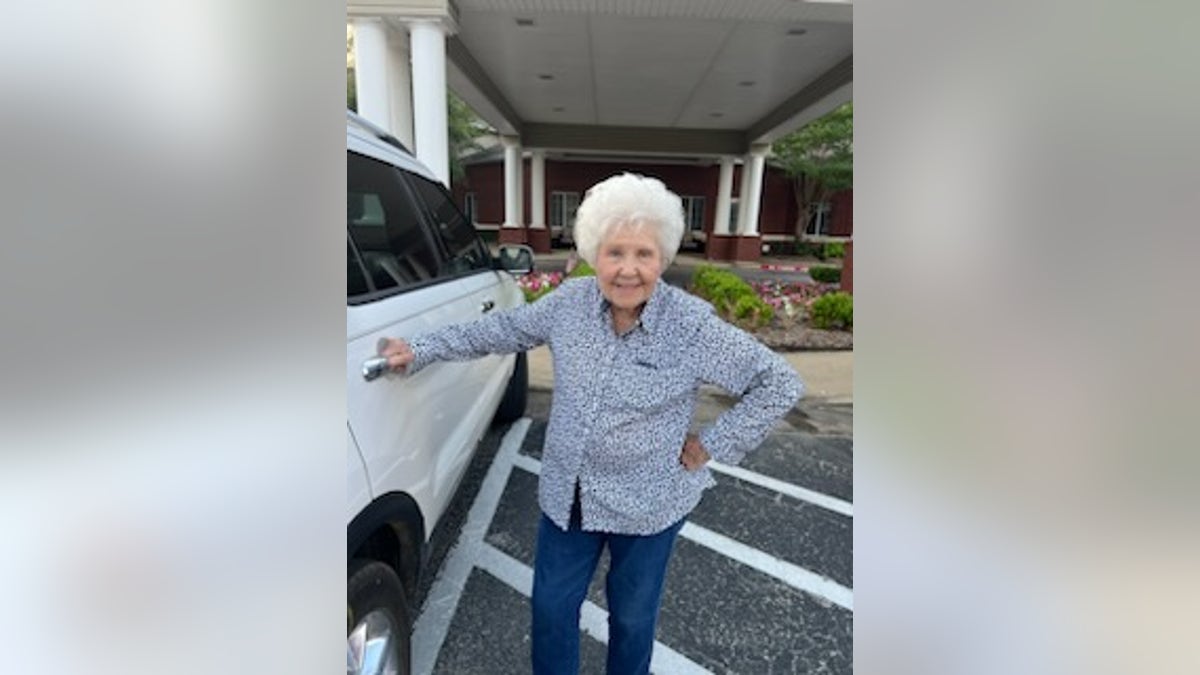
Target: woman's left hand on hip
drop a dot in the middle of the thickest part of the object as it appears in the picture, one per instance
(693, 456)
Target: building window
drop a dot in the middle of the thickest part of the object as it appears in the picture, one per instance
(734, 207)
(469, 207)
(563, 206)
(820, 220)
(693, 209)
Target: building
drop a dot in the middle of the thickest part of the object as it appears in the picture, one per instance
(481, 195)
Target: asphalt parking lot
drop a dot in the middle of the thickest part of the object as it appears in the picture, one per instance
(760, 582)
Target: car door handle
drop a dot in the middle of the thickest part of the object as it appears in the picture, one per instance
(487, 306)
(374, 367)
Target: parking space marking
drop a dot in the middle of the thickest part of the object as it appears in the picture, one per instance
(471, 551)
(795, 491)
(593, 619)
(789, 573)
(433, 622)
(795, 576)
(529, 464)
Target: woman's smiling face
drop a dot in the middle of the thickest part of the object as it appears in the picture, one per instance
(628, 265)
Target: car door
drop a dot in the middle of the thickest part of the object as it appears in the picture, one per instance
(417, 433)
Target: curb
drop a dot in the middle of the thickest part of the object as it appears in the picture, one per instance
(784, 268)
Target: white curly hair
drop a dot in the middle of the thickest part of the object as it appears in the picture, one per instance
(633, 201)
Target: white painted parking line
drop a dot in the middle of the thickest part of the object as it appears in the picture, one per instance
(593, 619)
(793, 491)
(789, 573)
(429, 631)
(529, 464)
(793, 575)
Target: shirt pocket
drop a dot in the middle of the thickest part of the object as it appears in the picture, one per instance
(646, 386)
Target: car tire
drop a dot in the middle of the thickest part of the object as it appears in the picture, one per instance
(376, 609)
(512, 406)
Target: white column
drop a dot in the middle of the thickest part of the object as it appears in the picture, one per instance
(743, 194)
(537, 197)
(752, 197)
(724, 196)
(428, 46)
(370, 70)
(521, 186)
(400, 87)
(512, 177)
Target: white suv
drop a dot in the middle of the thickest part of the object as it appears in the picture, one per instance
(413, 263)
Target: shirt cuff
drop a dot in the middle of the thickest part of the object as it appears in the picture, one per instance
(722, 448)
(422, 356)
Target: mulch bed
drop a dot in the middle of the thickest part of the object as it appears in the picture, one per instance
(799, 337)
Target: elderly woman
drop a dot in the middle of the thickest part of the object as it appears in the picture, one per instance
(619, 469)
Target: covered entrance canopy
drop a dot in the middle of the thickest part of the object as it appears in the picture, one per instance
(715, 79)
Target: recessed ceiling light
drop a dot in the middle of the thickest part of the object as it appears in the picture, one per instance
(796, 31)
(746, 83)
(545, 76)
(525, 22)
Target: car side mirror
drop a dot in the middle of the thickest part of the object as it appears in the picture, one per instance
(515, 258)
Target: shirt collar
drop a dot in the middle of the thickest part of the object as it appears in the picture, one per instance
(651, 316)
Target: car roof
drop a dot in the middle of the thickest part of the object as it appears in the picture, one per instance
(370, 140)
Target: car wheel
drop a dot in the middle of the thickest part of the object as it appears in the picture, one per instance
(378, 626)
(512, 407)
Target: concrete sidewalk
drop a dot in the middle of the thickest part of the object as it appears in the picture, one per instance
(828, 376)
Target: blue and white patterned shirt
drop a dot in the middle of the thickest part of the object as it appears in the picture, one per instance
(623, 404)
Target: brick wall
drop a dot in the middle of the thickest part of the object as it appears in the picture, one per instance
(777, 213)
(843, 214)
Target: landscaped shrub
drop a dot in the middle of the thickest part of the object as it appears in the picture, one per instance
(719, 287)
(810, 248)
(734, 299)
(835, 310)
(750, 309)
(825, 275)
(835, 249)
(778, 248)
(582, 269)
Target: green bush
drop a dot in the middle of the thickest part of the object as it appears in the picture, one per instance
(835, 249)
(734, 299)
(718, 286)
(753, 311)
(810, 248)
(833, 310)
(582, 269)
(778, 248)
(825, 275)
(532, 296)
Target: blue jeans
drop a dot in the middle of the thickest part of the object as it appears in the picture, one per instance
(562, 569)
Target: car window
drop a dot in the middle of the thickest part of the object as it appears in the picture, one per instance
(464, 249)
(356, 278)
(385, 226)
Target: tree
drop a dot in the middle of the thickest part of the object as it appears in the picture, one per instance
(819, 157)
(464, 126)
(351, 94)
